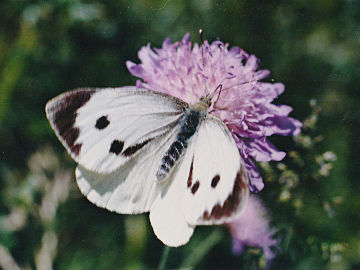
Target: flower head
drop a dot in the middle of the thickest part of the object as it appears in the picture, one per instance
(244, 103)
(252, 228)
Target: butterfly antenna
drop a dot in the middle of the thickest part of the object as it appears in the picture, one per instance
(220, 88)
(227, 88)
(237, 84)
(202, 55)
(212, 95)
(202, 45)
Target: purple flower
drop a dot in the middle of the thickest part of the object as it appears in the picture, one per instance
(252, 228)
(244, 104)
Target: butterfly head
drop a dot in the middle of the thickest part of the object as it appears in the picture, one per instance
(205, 102)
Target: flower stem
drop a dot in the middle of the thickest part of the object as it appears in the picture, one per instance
(164, 257)
(202, 249)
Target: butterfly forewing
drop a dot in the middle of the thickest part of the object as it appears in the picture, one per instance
(133, 187)
(103, 128)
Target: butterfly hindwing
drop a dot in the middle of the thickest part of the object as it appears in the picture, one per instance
(209, 186)
(103, 128)
(166, 215)
(217, 182)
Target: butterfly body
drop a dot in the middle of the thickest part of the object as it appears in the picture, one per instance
(193, 115)
(143, 151)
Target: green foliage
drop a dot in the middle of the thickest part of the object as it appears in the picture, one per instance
(47, 47)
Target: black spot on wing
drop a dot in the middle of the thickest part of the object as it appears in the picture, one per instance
(102, 122)
(116, 147)
(134, 148)
(215, 181)
(65, 115)
(195, 187)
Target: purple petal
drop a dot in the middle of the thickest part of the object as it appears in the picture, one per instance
(256, 183)
(282, 125)
(252, 228)
(261, 74)
(263, 150)
(189, 72)
(134, 69)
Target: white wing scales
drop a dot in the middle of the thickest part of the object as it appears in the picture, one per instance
(102, 129)
(166, 215)
(217, 183)
(193, 197)
(119, 137)
(132, 188)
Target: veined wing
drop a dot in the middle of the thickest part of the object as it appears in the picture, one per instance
(102, 129)
(210, 186)
(131, 188)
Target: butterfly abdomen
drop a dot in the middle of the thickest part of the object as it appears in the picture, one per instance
(189, 125)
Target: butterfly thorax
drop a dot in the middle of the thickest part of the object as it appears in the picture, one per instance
(203, 104)
(189, 124)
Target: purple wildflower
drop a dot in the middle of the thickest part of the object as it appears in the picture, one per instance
(244, 105)
(252, 228)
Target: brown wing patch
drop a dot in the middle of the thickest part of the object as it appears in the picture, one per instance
(232, 201)
(65, 115)
(76, 148)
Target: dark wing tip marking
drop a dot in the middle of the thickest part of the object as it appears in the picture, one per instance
(134, 148)
(189, 181)
(116, 147)
(65, 113)
(232, 201)
(70, 135)
(215, 181)
(195, 187)
(102, 122)
(76, 148)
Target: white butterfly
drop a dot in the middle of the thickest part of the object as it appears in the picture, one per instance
(139, 150)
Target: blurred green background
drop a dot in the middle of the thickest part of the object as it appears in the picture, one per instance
(48, 47)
